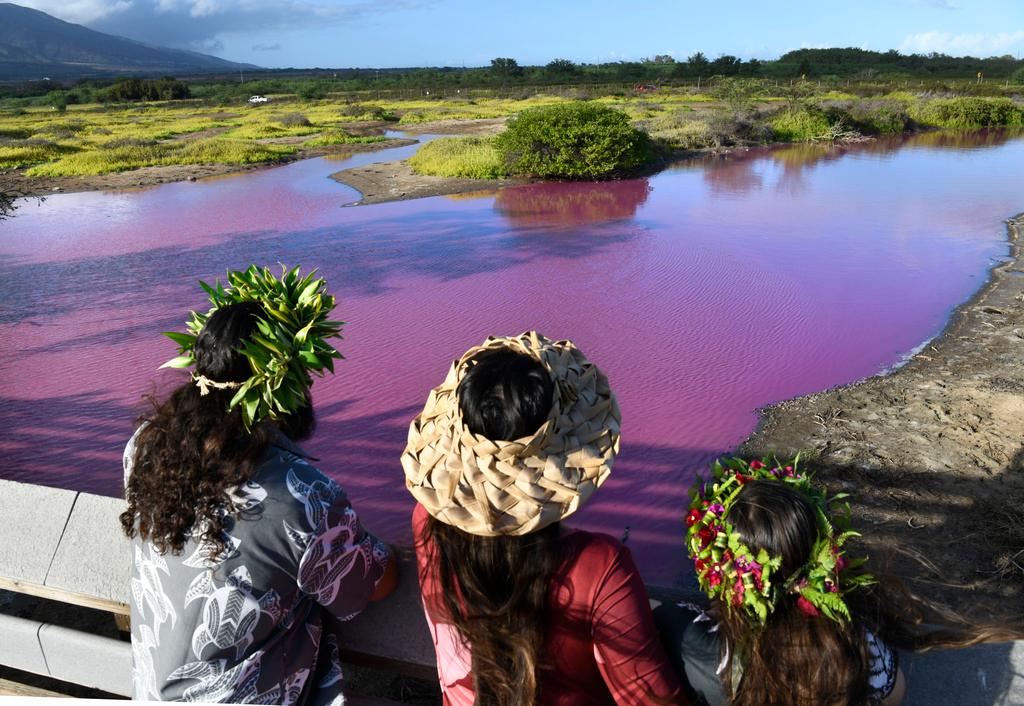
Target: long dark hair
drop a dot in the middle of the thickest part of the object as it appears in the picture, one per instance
(495, 590)
(802, 660)
(192, 450)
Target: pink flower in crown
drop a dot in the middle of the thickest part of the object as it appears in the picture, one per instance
(841, 562)
(831, 586)
(789, 472)
(717, 508)
(737, 592)
(715, 575)
(756, 465)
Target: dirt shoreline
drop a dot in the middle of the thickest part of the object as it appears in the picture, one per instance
(151, 176)
(395, 181)
(933, 453)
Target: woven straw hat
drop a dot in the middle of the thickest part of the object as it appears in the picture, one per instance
(489, 487)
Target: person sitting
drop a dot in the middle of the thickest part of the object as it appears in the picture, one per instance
(521, 609)
(792, 620)
(244, 553)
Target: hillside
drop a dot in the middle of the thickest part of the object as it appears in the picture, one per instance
(34, 44)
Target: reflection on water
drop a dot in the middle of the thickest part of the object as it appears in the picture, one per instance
(572, 203)
(737, 172)
(705, 292)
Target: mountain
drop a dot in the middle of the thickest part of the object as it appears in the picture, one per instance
(34, 44)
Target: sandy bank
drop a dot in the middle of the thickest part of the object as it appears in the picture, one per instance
(396, 181)
(933, 453)
(150, 176)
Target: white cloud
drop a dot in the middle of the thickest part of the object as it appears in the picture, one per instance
(78, 11)
(980, 45)
(198, 23)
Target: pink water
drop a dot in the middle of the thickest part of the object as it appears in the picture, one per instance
(704, 292)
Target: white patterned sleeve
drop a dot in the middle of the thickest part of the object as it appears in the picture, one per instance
(342, 563)
(883, 669)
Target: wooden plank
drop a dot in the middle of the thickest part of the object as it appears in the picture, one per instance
(13, 688)
(63, 595)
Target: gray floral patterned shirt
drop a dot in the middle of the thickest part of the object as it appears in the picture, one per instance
(248, 626)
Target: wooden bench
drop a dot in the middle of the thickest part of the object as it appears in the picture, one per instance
(67, 546)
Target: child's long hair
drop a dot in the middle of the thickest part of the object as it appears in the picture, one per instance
(798, 659)
(495, 590)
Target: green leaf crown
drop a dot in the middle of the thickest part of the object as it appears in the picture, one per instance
(744, 580)
(290, 341)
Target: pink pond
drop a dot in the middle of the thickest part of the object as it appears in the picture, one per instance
(705, 292)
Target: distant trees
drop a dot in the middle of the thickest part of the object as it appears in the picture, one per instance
(698, 63)
(146, 89)
(505, 67)
(561, 68)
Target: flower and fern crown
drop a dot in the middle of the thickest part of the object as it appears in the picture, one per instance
(289, 343)
(745, 580)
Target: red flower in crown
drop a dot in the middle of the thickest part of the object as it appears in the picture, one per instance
(806, 606)
(693, 517)
(756, 465)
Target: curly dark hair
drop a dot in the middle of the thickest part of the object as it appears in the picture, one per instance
(191, 450)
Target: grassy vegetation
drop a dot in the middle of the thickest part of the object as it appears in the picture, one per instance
(97, 138)
(126, 153)
(472, 157)
(340, 137)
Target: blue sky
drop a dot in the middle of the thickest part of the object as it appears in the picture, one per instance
(387, 33)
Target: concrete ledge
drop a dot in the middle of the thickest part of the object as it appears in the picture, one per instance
(65, 654)
(20, 646)
(983, 675)
(90, 660)
(34, 520)
(94, 556)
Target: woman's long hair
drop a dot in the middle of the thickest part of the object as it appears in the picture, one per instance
(802, 660)
(495, 590)
(191, 450)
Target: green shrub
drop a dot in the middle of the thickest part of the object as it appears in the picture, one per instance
(293, 120)
(880, 118)
(572, 140)
(471, 157)
(799, 124)
(968, 113)
(1018, 77)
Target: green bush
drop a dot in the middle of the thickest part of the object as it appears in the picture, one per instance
(880, 118)
(1018, 77)
(800, 124)
(471, 157)
(968, 113)
(572, 140)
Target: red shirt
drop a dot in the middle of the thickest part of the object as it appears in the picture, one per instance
(600, 640)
